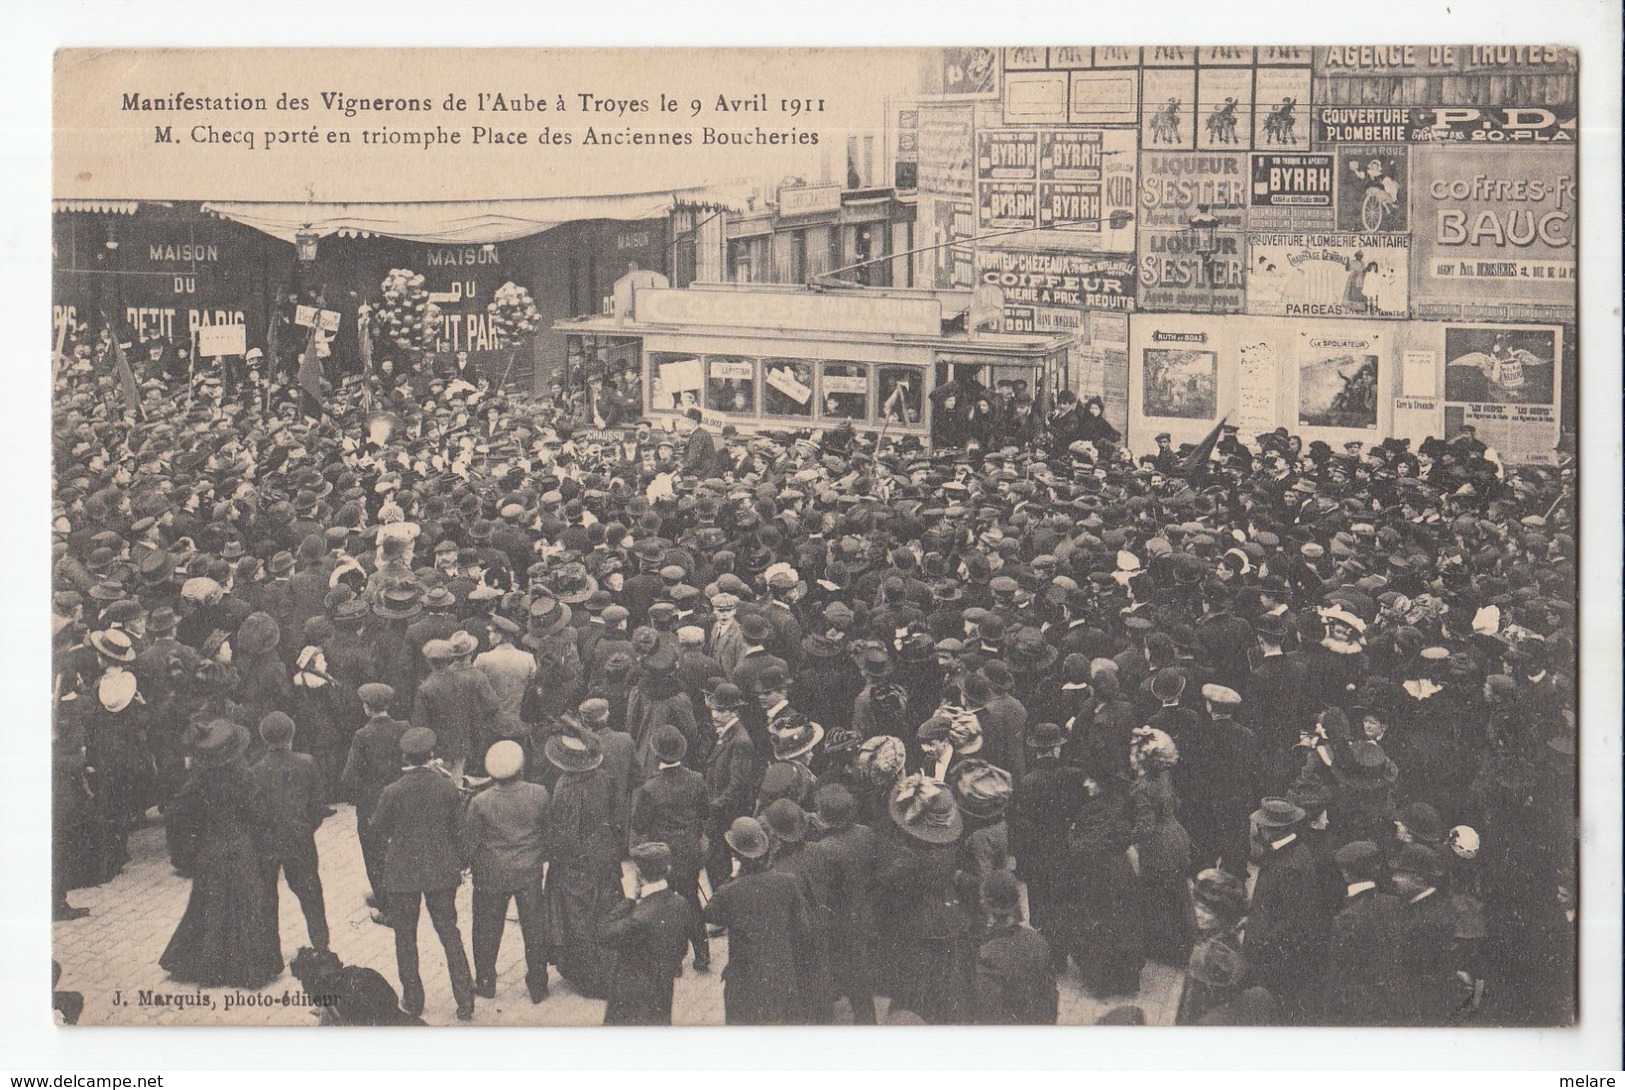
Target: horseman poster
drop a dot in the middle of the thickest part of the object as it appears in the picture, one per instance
(1224, 103)
(1281, 108)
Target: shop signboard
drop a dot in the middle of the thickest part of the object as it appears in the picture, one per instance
(1050, 292)
(1473, 125)
(1494, 226)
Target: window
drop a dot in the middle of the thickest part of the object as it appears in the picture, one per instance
(900, 392)
(674, 381)
(787, 387)
(845, 391)
(798, 257)
(730, 385)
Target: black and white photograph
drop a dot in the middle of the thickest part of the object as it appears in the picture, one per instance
(549, 537)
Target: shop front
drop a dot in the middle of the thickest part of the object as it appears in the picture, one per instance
(769, 358)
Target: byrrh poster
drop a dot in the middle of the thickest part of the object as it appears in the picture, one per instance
(672, 536)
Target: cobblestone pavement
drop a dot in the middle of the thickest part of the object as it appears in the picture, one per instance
(112, 956)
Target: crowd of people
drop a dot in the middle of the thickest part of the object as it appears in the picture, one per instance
(938, 725)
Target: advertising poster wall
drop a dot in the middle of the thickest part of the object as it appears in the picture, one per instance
(1182, 267)
(1327, 275)
(1075, 185)
(1224, 102)
(1332, 380)
(1495, 226)
(970, 72)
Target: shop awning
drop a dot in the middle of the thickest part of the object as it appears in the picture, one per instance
(452, 222)
(100, 207)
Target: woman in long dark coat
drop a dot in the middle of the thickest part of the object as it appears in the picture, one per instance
(586, 839)
(219, 828)
(925, 951)
(1110, 948)
(1164, 849)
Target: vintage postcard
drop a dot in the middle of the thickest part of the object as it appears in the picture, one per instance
(1049, 534)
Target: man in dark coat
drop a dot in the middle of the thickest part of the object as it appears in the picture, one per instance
(731, 777)
(1217, 782)
(419, 817)
(670, 809)
(767, 920)
(456, 702)
(1362, 958)
(1287, 922)
(373, 764)
(1277, 705)
(647, 933)
(1427, 990)
(1015, 977)
(292, 790)
(1040, 816)
(847, 849)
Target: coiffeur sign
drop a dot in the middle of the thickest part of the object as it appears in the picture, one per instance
(1049, 292)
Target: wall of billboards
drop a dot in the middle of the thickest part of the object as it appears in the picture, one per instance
(1350, 241)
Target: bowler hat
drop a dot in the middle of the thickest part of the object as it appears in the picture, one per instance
(1424, 823)
(276, 729)
(747, 838)
(1418, 859)
(1046, 736)
(755, 627)
(1359, 858)
(725, 696)
(669, 744)
(785, 821)
(1031, 652)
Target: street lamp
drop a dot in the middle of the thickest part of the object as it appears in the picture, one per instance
(305, 243)
(1204, 228)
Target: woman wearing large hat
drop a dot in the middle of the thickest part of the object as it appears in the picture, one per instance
(923, 949)
(218, 831)
(1163, 845)
(586, 839)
